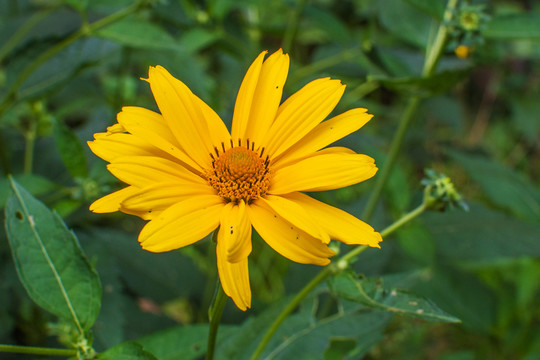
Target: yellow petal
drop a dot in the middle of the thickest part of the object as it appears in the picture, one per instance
(234, 277)
(286, 239)
(244, 99)
(236, 232)
(142, 171)
(218, 132)
(113, 146)
(159, 196)
(183, 115)
(323, 172)
(267, 96)
(182, 224)
(296, 215)
(301, 112)
(151, 127)
(111, 203)
(341, 225)
(325, 134)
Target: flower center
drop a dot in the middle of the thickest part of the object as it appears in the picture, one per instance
(239, 173)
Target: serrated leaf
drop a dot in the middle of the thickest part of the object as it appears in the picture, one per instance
(49, 261)
(139, 34)
(71, 150)
(371, 292)
(303, 335)
(127, 351)
(513, 27)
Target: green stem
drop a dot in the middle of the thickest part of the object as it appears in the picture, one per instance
(21, 32)
(214, 315)
(288, 37)
(321, 276)
(324, 273)
(37, 350)
(433, 56)
(82, 32)
(395, 146)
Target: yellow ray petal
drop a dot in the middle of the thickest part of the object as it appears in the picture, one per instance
(218, 132)
(182, 224)
(341, 225)
(267, 96)
(159, 196)
(296, 215)
(111, 203)
(142, 171)
(151, 127)
(301, 112)
(113, 146)
(183, 115)
(234, 277)
(323, 172)
(236, 230)
(244, 99)
(325, 134)
(286, 239)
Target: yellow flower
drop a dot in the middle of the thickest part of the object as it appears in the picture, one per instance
(189, 176)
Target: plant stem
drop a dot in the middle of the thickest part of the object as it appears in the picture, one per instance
(324, 273)
(433, 56)
(288, 37)
(37, 350)
(82, 32)
(214, 315)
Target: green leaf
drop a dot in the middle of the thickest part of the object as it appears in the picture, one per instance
(79, 5)
(50, 262)
(436, 84)
(371, 292)
(404, 21)
(127, 351)
(482, 235)
(71, 150)
(434, 8)
(305, 336)
(34, 184)
(502, 185)
(196, 39)
(513, 27)
(139, 34)
(182, 342)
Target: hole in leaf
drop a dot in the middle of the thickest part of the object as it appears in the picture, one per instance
(19, 215)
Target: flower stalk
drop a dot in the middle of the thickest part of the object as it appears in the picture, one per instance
(338, 265)
(433, 55)
(214, 316)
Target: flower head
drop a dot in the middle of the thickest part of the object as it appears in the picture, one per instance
(189, 175)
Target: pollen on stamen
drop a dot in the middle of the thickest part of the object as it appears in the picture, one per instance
(239, 173)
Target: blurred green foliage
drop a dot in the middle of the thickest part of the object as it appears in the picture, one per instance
(477, 122)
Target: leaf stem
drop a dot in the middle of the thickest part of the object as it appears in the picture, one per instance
(342, 262)
(434, 53)
(37, 350)
(214, 315)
